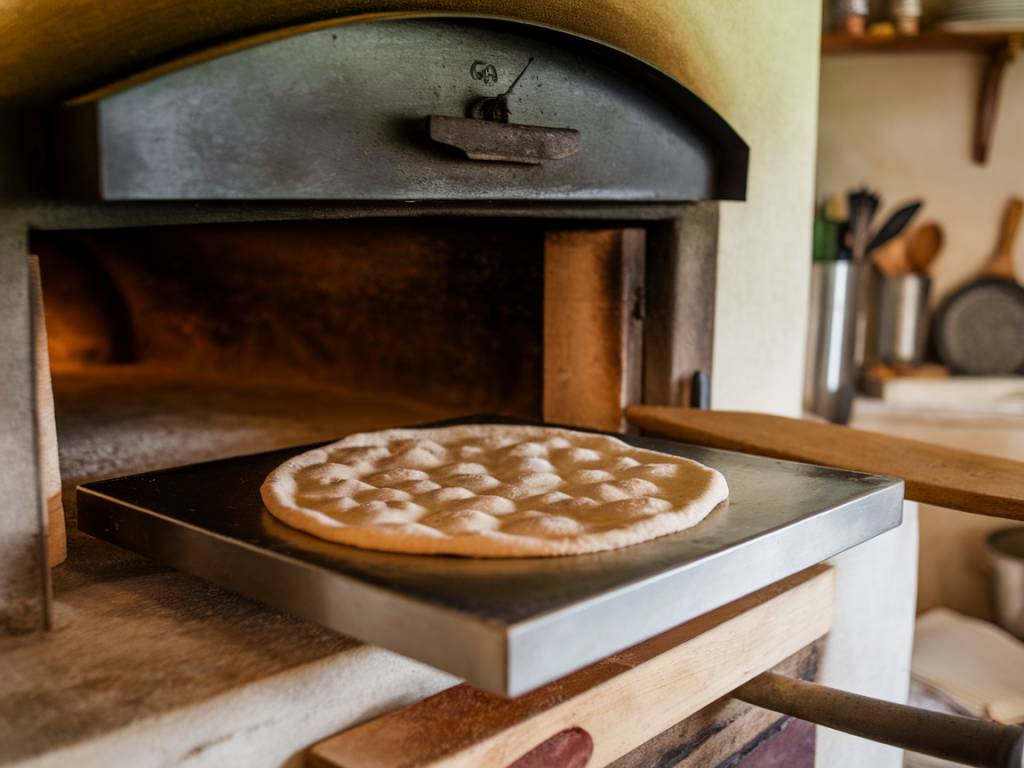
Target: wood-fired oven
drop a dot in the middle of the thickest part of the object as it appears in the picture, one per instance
(382, 217)
(351, 227)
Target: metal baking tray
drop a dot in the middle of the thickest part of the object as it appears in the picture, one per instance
(507, 625)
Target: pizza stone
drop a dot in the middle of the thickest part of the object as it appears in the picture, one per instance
(490, 491)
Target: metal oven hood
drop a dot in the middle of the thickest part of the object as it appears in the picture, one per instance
(405, 110)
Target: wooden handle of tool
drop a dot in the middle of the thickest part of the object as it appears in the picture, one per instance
(934, 474)
(1002, 262)
(961, 739)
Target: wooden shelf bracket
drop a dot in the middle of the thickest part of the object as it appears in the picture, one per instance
(988, 98)
(999, 48)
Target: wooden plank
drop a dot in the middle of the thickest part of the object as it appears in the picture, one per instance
(24, 574)
(934, 474)
(593, 325)
(621, 702)
(680, 293)
(46, 425)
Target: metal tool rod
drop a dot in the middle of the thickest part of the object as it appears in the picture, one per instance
(961, 739)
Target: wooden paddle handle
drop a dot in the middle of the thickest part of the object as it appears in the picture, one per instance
(933, 474)
(1002, 262)
(961, 739)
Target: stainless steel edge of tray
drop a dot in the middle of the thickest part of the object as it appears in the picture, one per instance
(505, 625)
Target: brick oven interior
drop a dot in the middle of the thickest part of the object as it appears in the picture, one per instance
(177, 344)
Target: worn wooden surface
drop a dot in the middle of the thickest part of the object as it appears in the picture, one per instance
(622, 702)
(452, 309)
(680, 292)
(593, 325)
(946, 477)
(24, 575)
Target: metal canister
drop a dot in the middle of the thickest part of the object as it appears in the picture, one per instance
(906, 14)
(831, 372)
(1006, 553)
(902, 319)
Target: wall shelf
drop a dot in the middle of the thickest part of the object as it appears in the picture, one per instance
(1000, 50)
(928, 42)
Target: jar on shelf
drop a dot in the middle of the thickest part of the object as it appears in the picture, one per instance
(854, 15)
(906, 15)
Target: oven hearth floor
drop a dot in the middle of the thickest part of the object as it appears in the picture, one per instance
(149, 665)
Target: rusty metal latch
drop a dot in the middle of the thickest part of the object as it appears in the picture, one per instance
(487, 133)
(504, 142)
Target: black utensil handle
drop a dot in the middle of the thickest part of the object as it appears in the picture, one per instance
(961, 739)
(894, 225)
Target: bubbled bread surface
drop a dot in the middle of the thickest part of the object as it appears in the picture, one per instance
(490, 491)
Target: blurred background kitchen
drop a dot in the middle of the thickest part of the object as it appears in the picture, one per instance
(917, 305)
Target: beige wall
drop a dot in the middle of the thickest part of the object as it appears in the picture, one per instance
(757, 64)
(764, 243)
(903, 124)
(954, 569)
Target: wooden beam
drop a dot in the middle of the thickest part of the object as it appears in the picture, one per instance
(621, 702)
(593, 325)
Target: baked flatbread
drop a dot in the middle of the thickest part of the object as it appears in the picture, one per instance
(490, 491)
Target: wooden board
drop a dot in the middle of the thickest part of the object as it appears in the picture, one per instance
(46, 429)
(945, 477)
(593, 325)
(621, 702)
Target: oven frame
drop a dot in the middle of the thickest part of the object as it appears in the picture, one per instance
(679, 262)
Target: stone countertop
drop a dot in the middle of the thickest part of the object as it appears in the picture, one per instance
(150, 667)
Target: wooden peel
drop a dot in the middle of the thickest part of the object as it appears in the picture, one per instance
(965, 740)
(1001, 264)
(945, 477)
(924, 246)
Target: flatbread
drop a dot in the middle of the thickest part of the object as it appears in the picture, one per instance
(490, 491)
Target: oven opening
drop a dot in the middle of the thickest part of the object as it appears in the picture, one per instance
(171, 345)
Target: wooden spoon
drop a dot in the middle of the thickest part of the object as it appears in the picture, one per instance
(1001, 264)
(891, 258)
(924, 246)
